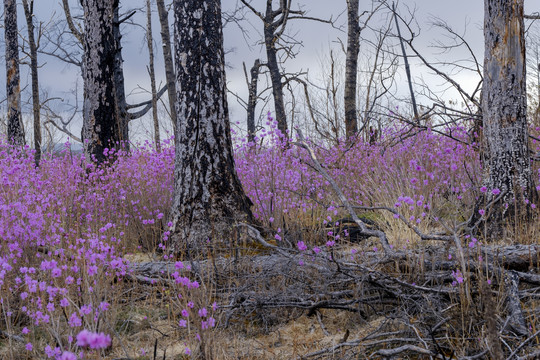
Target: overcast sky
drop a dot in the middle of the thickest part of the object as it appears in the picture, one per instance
(317, 39)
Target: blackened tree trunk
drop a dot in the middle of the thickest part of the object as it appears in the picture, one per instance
(208, 197)
(15, 131)
(504, 109)
(152, 74)
(36, 106)
(351, 68)
(100, 112)
(167, 58)
(252, 98)
(119, 83)
(270, 41)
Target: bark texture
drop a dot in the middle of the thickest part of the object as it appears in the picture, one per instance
(351, 68)
(100, 111)
(168, 59)
(15, 131)
(504, 108)
(119, 84)
(36, 105)
(208, 196)
(152, 74)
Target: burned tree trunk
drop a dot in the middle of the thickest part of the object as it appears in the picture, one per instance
(119, 83)
(351, 68)
(504, 109)
(152, 74)
(100, 112)
(270, 40)
(167, 58)
(15, 131)
(252, 98)
(36, 106)
(208, 197)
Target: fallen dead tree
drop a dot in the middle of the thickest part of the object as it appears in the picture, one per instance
(440, 302)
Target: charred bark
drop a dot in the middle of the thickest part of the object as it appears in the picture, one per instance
(152, 74)
(351, 68)
(504, 109)
(36, 106)
(119, 83)
(15, 131)
(100, 111)
(208, 197)
(252, 98)
(168, 59)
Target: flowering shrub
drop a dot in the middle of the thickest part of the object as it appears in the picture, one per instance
(67, 227)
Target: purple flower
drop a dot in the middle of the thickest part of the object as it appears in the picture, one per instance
(66, 355)
(203, 312)
(495, 191)
(93, 340)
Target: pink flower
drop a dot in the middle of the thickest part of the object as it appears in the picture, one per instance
(203, 312)
(66, 355)
(93, 340)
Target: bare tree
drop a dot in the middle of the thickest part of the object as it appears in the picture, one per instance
(275, 23)
(152, 74)
(351, 68)
(252, 97)
(62, 46)
(15, 130)
(407, 67)
(100, 110)
(36, 106)
(504, 108)
(208, 197)
(167, 58)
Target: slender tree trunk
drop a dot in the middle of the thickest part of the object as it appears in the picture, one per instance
(168, 59)
(208, 197)
(119, 83)
(273, 68)
(36, 106)
(407, 68)
(351, 68)
(504, 109)
(152, 74)
(100, 110)
(15, 129)
(252, 98)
